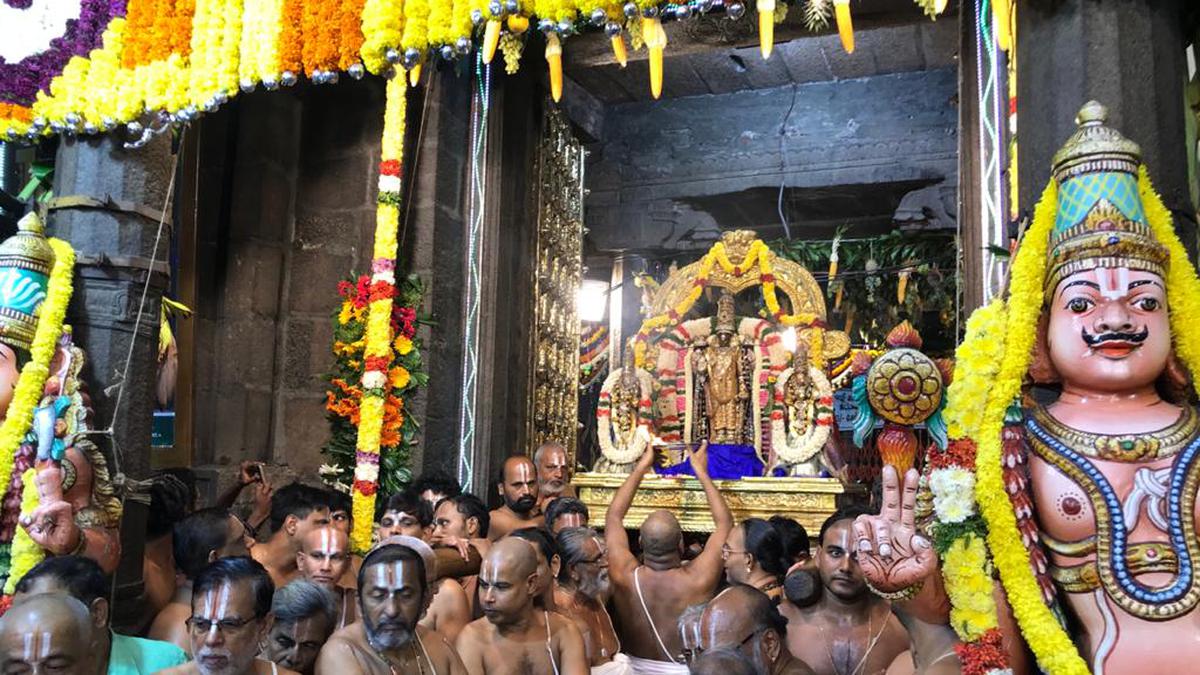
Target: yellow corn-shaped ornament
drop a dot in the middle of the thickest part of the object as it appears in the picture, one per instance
(837, 297)
(1000, 22)
(656, 40)
(414, 75)
(554, 59)
(833, 257)
(766, 27)
(491, 38)
(939, 6)
(902, 286)
(845, 25)
(619, 53)
(849, 329)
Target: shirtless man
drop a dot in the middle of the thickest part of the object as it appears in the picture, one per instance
(519, 487)
(323, 559)
(849, 629)
(565, 512)
(580, 591)
(514, 637)
(745, 618)
(231, 615)
(554, 473)
(651, 595)
(463, 519)
(48, 634)
(295, 510)
(394, 591)
(199, 539)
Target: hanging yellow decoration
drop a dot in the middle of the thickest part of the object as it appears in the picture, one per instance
(845, 26)
(619, 53)
(491, 38)
(656, 41)
(1001, 15)
(766, 27)
(554, 60)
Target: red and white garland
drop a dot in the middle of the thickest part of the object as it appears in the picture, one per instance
(634, 441)
(790, 444)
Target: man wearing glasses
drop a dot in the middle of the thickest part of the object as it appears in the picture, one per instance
(231, 616)
(745, 619)
(580, 591)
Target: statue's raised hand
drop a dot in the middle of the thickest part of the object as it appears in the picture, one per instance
(52, 526)
(893, 556)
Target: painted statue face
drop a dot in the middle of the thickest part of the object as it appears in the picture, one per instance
(9, 372)
(1109, 330)
(392, 599)
(295, 645)
(837, 563)
(225, 633)
(324, 556)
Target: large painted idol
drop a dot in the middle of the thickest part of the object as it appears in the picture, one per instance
(1075, 451)
(59, 490)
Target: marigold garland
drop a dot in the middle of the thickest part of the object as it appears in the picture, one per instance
(378, 329)
(382, 28)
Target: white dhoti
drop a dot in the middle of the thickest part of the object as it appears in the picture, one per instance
(620, 665)
(649, 667)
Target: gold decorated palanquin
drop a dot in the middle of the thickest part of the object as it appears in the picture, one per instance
(792, 299)
(808, 501)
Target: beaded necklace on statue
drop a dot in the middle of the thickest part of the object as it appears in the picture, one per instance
(1112, 530)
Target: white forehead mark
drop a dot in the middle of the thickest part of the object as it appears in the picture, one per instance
(381, 573)
(842, 538)
(45, 650)
(488, 572)
(523, 470)
(326, 542)
(30, 646)
(1106, 279)
(397, 572)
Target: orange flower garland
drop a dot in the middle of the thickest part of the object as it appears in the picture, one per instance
(291, 37)
(351, 34)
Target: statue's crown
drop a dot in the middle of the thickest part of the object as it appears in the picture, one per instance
(726, 318)
(1100, 221)
(25, 262)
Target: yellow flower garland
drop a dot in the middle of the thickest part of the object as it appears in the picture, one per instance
(378, 330)
(1055, 652)
(382, 27)
(25, 551)
(965, 569)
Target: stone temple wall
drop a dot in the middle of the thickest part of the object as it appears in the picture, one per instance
(286, 210)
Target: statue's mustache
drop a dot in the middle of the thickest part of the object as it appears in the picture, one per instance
(1136, 338)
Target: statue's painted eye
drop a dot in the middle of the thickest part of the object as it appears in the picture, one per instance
(1079, 305)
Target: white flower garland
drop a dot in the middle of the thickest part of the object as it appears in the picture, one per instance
(789, 447)
(632, 447)
(953, 491)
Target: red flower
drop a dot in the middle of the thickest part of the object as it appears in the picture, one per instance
(737, 270)
(365, 488)
(345, 289)
(390, 167)
(768, 278)
(986, 653)
(382, 290)
(378, 363)
(362, 291)
(960, 452)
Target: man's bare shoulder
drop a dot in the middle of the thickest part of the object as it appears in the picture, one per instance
(436, 643)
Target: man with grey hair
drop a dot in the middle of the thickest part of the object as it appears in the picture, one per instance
(553, 473)
(580, 592)
(305, 615)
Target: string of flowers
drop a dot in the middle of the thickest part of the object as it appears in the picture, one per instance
(382, 28)
(25, 551)
(377, 350)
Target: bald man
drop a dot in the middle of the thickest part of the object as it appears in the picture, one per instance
(48, 633)
(324, 558)
(515, 637)
(518, 486)
(745, 619)
(651, 595)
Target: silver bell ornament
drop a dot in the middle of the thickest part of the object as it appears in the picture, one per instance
(356, 71)
(392, 56)
(565, 28)
(630, 9)
(463, 46)
(546, 26)
(90, 129)
(612, 29)
(72, 119)
(134, 128)
(246, 85)
(447, 52)
(287, 78)
(270, 83)
(476, 17)
(512, 6)
(651, 12)
(735, 10)
(598, 17)
(412, 57)
(496, 8)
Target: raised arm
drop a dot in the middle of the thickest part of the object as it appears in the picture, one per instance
(620, 558)
(709, 562)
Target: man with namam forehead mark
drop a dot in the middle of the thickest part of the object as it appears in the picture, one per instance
(518, 486)
(394, 591)
(324, 558)
(47, 634)
(515, 637)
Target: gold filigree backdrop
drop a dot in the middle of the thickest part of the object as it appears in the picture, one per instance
(554, 398)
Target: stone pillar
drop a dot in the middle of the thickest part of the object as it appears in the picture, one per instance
(114, 245)
(1126, 54)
